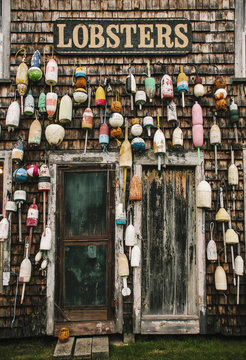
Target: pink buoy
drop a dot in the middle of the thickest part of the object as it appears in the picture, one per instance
(197, 128)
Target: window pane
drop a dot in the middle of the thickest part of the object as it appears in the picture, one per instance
(85, 203)
(85, 280)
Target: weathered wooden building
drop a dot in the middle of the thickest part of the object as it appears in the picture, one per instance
(173, 289)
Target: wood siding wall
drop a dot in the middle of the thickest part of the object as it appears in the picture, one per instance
(213, 44)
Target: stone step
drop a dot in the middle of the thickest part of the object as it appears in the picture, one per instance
(64, 350)
(83, 348)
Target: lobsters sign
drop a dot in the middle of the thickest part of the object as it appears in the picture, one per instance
(122, 36)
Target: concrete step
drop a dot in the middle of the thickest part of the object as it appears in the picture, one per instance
(64, 350)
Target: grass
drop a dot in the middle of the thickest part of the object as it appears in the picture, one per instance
(156, 348)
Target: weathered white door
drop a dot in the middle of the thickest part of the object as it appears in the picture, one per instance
(169, 285)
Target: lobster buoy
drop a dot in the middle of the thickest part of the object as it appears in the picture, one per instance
(135, 189)
(120, 216)
(197, 128)
(172, 112)
(116, 133)
(35, 132)
(211, 247)
(220, 278)
(32, 215)
(123, 265)
(135, 256)
(104, 136)
(80, 72)
(54, 134)
(51, 104)
(13, 116)
(42, 103)
(177, 139)
(138, 144)
(44, 178)
(148, 123)
(65, 111)
(35, 73)
(136, 130)
(80, 95)
(116, 120)
(18, 151)
(100, 96)
(81, 83)
(239, 265)
(51, 73)
(221, 105)
(22, 79)
(166, 87)
(130, 235)
(182, 84)
(140, 98)
(116, 106)
(159, 143)
(33, 170)
(204, 195)
(29, 104)
(20, 175)
(199, 90)
(45, 242)
(220, 94)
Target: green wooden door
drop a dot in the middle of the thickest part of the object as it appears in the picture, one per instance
(85, 270)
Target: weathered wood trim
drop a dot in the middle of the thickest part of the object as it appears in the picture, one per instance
(118, 244)
(5, 156)
(137, 270)
(77, 158)
(244, 203)
(201, 261)
(170, 327)
(176, 324)
(6, 38)
(89, 328)
(172, 158)
(50, 289)
(239, 11)
(170, 317)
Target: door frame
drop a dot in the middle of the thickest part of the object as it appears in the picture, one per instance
(77, 158)
(171, 324)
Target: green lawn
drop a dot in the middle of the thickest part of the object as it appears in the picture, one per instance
(157, 348)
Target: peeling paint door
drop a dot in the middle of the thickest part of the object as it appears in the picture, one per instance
(85, 246)
(169, 273)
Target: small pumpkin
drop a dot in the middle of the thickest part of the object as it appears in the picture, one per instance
(63, 335)
(221, 105)
(116, 106)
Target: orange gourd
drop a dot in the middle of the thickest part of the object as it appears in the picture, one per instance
(63, 335)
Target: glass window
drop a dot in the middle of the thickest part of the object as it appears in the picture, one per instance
(85, 208)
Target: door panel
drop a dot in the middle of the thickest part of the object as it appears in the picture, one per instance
(85, 246)
(169, 282)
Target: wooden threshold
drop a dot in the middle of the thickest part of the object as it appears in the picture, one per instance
(85, 328)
